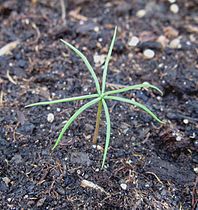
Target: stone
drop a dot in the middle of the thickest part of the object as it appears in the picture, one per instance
(152, 45)
(174, 8)
(123, 186)
(148, 53)
(123, 8)
(133, 41)
(141, 13)
(26, 129)
(175, 44)
(99, 59)
(163, 41)
(50, 117)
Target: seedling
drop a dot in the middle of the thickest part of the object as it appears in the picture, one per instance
(100, 98)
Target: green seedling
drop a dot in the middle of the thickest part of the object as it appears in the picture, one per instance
(100, 98)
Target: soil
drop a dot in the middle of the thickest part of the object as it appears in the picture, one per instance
(149, 166)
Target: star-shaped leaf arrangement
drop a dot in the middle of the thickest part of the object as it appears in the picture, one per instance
(100, 97)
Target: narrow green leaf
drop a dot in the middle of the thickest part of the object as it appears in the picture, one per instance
(108, 132)
(134, 103)
(134, 87)
(107, 61)
(63, 100)
(72, 118)
(82, 56)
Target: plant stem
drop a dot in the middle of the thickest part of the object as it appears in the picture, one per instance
(97, 122)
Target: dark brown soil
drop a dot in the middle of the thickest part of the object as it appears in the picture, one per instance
(157, 163)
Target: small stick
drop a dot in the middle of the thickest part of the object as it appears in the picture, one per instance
(63, 10)
(97, 122)
(10, 78)
(158, 179)
(116, 86)
(34, 26)
(1, 98)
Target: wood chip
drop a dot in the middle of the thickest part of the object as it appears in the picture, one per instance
(85, 183)
(6, 50)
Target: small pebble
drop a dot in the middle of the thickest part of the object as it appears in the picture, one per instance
(99, 59)
(172, 1)
(96, 29)
(25, 196)
(152, 45)
(196, 170)
(185, 121)
(196, 144)
(58, 109)
(123, 186)
(175, 44)
(50, 117)
(6, 180)
(148, 54)
(78, 172)
(141, 13)
(159, 98)
(134, 41)
(174, 8)
(99, 148)
(163, 40)
(178, 138)
(123, 8)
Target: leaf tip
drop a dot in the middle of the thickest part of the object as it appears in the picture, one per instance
(53, 148)
(162, 122)
(29, 105)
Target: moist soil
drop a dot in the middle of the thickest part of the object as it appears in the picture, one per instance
(149, 166)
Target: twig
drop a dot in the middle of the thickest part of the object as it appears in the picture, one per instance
(115, 86)
(63, 11)
(34, 26)
(158, 179)
(97, 123)
(88, 184)
(1, 98)
(10, 78)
